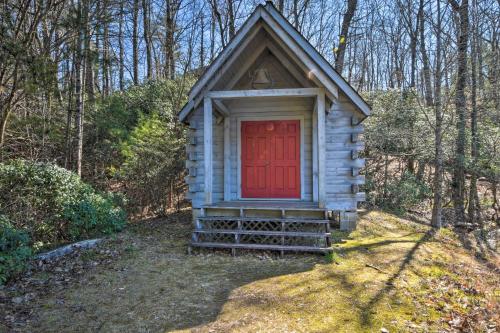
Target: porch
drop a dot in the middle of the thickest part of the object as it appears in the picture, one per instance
(231, 108)
(299, 226)
(234, 220)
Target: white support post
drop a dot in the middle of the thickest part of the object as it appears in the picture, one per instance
(315, 151)
(321, 149)
(207, 147)
(227, 159)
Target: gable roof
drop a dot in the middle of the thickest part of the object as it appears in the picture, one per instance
(278, 24)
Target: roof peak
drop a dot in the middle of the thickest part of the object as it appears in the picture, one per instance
(298, 45)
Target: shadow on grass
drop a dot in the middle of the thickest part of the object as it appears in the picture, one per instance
(244, 275)
(367, 309)
(160, 288)
(156, 285)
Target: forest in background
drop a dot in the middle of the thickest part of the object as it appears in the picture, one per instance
(94, 87)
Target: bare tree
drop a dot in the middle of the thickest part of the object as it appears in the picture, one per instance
(437, 203)
(474, 205)
(170, 27)
(147, 39)
(121, 49)
(218, 17)
(346, 23)
(106, 75)
(458, 181)
(22, 18)
(80, 61)
(230, 14)
(135, 41)
(425, 57)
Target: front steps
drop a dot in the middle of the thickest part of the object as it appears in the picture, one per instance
(283, 228)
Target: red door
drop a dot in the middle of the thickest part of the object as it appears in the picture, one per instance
(270, 159)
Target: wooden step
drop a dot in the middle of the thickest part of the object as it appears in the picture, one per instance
(264, 205)
(262, 219)
(262, 247)
(263, 233)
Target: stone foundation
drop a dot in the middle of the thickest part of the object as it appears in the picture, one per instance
(348, 220)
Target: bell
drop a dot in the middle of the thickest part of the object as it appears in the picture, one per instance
(261, 79)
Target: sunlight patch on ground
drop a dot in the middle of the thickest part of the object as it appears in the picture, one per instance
(391, 273)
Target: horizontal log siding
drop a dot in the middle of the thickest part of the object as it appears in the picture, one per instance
(339, 162)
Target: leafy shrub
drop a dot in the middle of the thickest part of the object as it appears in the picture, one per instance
(154, 160)
(94, 214)
(49, 202)
(149, 142)
(14, 250)
(403, 194)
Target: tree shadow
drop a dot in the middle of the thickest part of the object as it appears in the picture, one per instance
(367, 309)
(193, 289)
(158, 286)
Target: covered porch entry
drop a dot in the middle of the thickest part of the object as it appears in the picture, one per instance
(258, 210)
(255, 125)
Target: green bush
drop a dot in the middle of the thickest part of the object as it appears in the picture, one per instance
(153, 162)
(14, 250)
(51, 203)
(148, 142)
(403, 194)
(94, 214)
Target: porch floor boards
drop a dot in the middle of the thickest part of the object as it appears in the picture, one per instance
(262, 219)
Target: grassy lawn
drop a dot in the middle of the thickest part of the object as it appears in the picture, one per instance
(391, 273)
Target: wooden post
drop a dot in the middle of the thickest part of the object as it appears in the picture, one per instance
(227, 159)
(321, 148)
(207, 147)
(315, 152)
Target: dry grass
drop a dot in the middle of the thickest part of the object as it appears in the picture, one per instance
(415, 281)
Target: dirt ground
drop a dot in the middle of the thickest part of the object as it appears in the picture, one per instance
(391, 275)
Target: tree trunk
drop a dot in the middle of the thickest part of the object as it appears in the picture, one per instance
(346, 23)
(121, 50)
(3, 124)
(295, 11)
(135, 42)
(230, 13)
(212, 37)
(474, 206)
(169, 40)
(147, 39)
(6, 108)
(425, 57)
(79, 82)
(68, 151)
(458, 180)
(202, 40)
(437, 203)
(105, 51)
(281, 5)
(217, 15)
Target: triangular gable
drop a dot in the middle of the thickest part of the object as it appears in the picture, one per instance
(281, 76)
(321, 69)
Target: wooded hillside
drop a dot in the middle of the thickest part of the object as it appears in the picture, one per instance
(94, 86)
